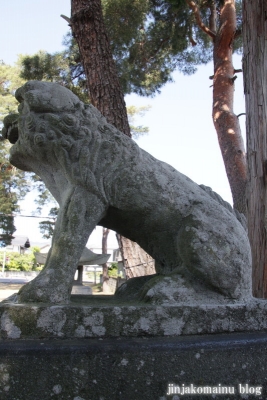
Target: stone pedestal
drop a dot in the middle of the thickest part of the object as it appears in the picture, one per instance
(107, 316)
(133, 368)
(101, 348)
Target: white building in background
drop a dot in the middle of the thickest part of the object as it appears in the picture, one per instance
(19, 244)
(22, 244)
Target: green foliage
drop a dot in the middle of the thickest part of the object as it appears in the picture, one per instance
(113, 270)
(14, 185)
(154, 43)
(133, 112)
(7, 228)
(9, 81)
(66, 68)
(152, 38)
(13, 182)
(57, 67)
(20, 262)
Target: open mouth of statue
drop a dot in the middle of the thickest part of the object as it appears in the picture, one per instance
(10, 130)
(13, 133)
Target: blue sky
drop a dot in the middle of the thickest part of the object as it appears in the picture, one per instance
(181, 131)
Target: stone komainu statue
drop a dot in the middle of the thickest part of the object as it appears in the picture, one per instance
(100, 176)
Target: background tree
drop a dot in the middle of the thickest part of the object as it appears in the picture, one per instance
(58, 68)
(21, 262)
(103, 84)
(255, 74)
(223, 29)
(179, 35)
(13, 182)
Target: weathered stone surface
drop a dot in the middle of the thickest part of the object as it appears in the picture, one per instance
(132, 368)
(105, 316)
(100, 176)
(80, 289)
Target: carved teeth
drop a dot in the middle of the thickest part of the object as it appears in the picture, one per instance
(9, 131)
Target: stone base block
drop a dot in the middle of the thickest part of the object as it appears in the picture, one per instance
(106, 316)
(135, 368)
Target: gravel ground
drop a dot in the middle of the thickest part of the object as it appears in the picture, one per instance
(7, 289)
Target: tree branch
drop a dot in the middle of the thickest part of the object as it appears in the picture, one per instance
(66, 19)
(238, 33)
(212, 18)
(192, 41)
(199, 21)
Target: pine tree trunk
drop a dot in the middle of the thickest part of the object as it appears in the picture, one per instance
(103, 84)
(255, 79)
(102, 79)
(136, 263)
(225, 121)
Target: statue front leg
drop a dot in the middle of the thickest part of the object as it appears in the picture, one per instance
(77, 218)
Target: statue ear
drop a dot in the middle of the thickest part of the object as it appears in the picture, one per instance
(19, 94)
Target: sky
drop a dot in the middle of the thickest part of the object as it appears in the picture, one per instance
(181, 130)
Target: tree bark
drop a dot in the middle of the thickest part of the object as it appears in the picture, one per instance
(104, 88)
(103, 84)
(225, 121)
(255, 79)
(136, 263)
